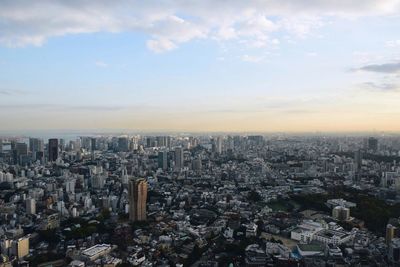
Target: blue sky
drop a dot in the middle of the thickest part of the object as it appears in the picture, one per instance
(200, 65)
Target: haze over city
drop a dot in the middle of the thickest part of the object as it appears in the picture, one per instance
(199, 133)
(294, 66)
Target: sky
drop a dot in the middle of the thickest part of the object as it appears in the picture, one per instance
(205, 65)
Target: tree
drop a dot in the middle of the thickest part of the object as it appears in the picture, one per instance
(253, 196)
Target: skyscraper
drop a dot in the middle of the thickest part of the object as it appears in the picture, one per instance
(20, 152)
(137, 199)
(178, 158)
(1, 145)
(36, 145)
(92, 147)
(218, 145)
(53, 149)
(373, 144)
(357, 160)
(163, 160)
(357, 165)
(123, 144)
(196, 164)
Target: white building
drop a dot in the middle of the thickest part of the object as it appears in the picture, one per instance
(334, 237)
(97, 251)
(30, 206)
(304, 233)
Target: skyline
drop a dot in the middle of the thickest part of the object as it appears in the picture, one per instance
(263, 66)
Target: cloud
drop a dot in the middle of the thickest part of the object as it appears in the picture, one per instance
(393, 43)
(252, 59)
(101, 64)
(168, 24)
(382, 68)
(12, 92)
(61, 107)
(160, 45)
(381, 87)
(311, 54)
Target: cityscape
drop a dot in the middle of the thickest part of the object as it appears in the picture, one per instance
(200, 133)
(200, 200)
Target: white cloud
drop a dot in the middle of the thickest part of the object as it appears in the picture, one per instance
(160, 45)
(171, 23)
(253, 59)
(394, 43)
(101, 64)
(381, 87)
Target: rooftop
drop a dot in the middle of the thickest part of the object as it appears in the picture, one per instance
(96, 249)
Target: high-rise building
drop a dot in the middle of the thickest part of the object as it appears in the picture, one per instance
(1, 145)
(341, 213)
(160, 141)
(123, 144)
(86, 142)
(21, 247)
(168, 141)
(217, 145)
(92, 147)
(394, 251)
(137, 199)
(357, 160)
(62, 144)
(357, 165)
(373, 144)
(391, 232)
(36, 145)
(53, 149)
(196, 164)
(30, 206)
(178, 158)
(70, 186)
(97, 181)
(256, 139)
(163, 160)
(20, 152)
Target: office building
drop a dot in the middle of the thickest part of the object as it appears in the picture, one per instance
(98, 181)
(36, 145)
(20, 152)
(163, 160)
(391, 232)
(86, 142)
(137, 199)
(357, 165)
(70, 186)
(30, 206)
(123, 144)
(357, 160)
(179, 162)
(62, 144)
(341, 213)
(372, 144)
(217, 145)
(256, 139)
(394, 251)
(196, 164)
(92, 147)
(96, 251)
(53, 149)
(21, 247)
